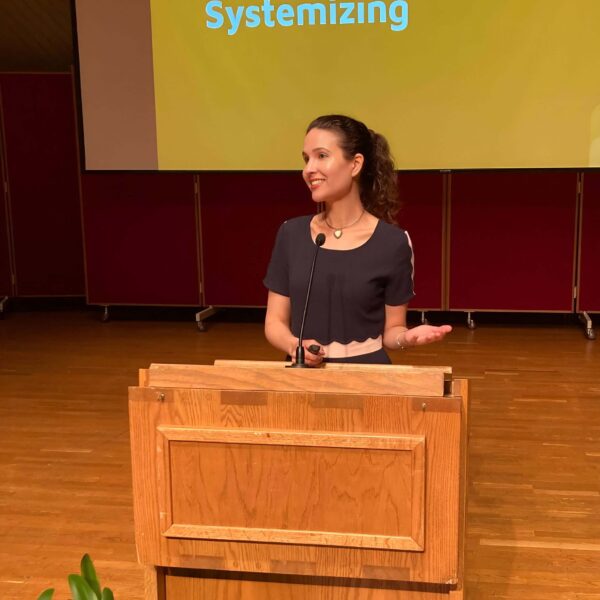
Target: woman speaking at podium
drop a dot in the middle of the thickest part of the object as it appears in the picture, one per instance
(363, 274)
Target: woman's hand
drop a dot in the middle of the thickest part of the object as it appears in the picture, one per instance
(312, 360)
(423, 334)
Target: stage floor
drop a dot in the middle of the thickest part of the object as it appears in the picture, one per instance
(533, 528)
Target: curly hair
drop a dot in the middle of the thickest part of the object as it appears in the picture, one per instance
(377, 181)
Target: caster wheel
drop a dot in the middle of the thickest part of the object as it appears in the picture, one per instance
(471, 324)
(590, 334)
(201, 326)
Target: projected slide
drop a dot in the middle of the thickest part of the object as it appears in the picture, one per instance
(231, 84)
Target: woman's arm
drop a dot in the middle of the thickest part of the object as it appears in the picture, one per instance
(278, 333)
(277, 323)
(395, 325)
(397, 335)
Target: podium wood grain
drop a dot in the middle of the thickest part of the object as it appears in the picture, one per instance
(310, 484)
(216, 587)
(260, 375)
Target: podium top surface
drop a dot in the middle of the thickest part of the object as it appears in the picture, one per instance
(344, 378)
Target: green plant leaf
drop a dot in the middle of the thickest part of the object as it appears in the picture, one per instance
(80, 588)
(107, 595)
(88, 572)
(46, 594)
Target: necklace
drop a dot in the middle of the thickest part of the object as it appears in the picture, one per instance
(339, 231)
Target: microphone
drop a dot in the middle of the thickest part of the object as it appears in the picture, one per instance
(300, 364)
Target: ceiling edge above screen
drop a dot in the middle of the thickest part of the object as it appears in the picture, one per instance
(117, 84)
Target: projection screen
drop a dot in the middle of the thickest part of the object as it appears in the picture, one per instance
(231, 84)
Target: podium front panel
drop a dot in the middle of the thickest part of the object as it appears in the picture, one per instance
(298, 483)
(315, 488)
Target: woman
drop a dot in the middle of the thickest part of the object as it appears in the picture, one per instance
(363, 276)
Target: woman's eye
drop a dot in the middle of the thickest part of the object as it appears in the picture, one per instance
(322, 155)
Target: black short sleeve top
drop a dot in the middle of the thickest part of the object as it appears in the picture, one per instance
(350, 287)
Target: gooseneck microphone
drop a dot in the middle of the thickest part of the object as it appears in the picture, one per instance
(300, 364)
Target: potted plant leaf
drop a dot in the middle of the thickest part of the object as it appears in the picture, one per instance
(84, 586)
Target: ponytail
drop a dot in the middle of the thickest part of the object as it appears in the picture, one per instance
(379, 186)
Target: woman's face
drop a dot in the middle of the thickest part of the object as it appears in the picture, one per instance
(327, 172)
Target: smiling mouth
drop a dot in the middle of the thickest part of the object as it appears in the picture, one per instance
(313, 183)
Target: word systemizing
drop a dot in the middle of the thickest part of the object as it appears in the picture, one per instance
(307, 13)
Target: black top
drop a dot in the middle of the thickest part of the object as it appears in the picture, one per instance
(350, 287)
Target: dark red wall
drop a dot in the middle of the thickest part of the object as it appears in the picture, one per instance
(43, 179)
(5, 270)
(512, 240)
(421, 214)
(589, 278)
(141, 239)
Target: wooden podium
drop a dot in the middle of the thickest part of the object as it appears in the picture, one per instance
(256, 482)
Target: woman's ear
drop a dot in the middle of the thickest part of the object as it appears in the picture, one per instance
(358, 163)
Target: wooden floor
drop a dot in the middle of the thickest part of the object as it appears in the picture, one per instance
(533, 528)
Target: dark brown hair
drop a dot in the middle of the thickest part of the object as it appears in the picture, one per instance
(377, 180)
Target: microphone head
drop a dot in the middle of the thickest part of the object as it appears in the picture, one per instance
(320, 239)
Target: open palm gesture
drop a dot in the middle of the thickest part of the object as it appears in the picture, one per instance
(425, 334)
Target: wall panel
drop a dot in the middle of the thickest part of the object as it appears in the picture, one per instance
(141, 239)
(589, 274)
(512, 240)
(5, 268)
(421, 214)
(42, 171)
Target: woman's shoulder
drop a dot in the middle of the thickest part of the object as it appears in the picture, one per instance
(393, 234)
(296, 224)
(299, 220)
